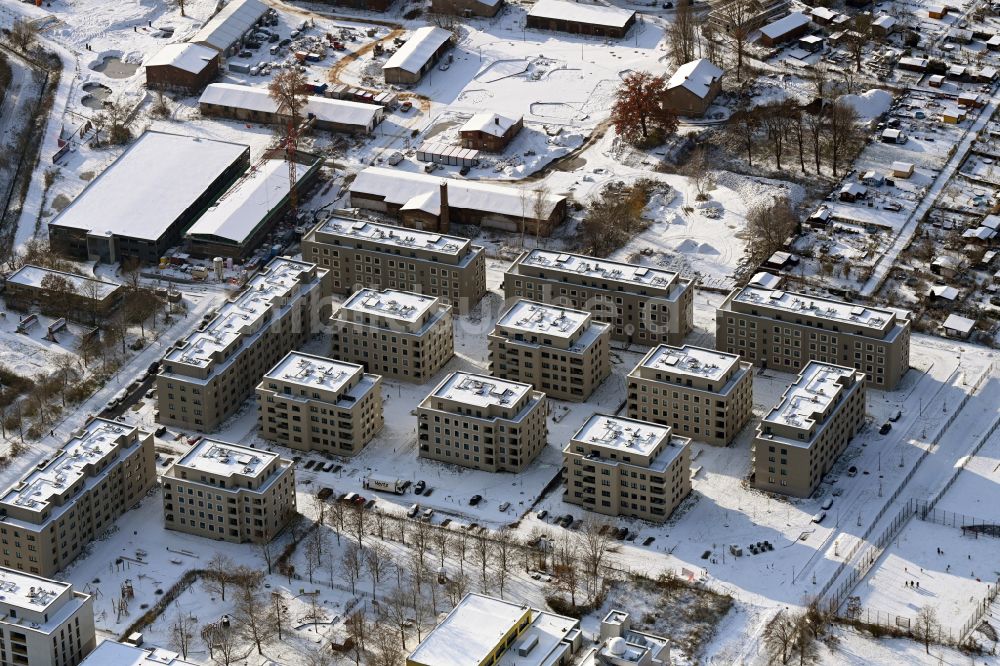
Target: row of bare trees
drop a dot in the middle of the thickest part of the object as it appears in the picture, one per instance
(782, 130)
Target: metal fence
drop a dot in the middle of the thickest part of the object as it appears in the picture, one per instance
(872, 552)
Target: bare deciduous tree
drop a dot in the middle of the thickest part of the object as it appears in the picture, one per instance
(779, 636)
(352, 561)
(218, 575)
(256, 617)
(593, 548)
(182, 632)
(378, 559)
(926, 626)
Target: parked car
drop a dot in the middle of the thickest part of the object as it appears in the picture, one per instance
(419, 486)
(852, 471)
(427, 514)
(542, 514)
(160, 432)
(886, 427)
(394, 159)
(504, 506)
(413, 510)
(475, 500)
(406, 106)
(827, 503)
(818, 518)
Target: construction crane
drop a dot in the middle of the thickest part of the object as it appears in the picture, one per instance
(291, 145)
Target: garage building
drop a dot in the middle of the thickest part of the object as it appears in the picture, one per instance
(232, 100)
(784, 29)
(183, 66)
(416, 57)
(573, 17)
(226, 31)
(141, 204)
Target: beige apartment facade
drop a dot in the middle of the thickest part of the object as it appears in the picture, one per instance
(700, 393)
(482, 422)
(800, 439)
(559, 351)
(617, 466)
(313, 403)
(362, 254)
(645, 306)
(398, 334)
(50, 515)
(229, 492)
(206, 377)
(43, 622)
(783, 331)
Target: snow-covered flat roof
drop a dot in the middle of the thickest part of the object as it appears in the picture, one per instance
(393, 236)
(816, 388)
(30, 592)
(230, 23)
(884, 21)
(110, 653)
(481, 390)
(495, 124)
(770, 280)
(238, 212)
(418, 49)
(823, 13)
(817, 306)
(150, 185)
(32, 276)
(312, 371)
(337, 111)
(471, 632)
(213, 456)
(688, 360)
(696, 76)
(562, 10)
(186, 56)
(785, 25)
(242, 313)
(95, 442)
(550, 320)
(405, 306)
(622, 434)
(580, 264)
(399, 187)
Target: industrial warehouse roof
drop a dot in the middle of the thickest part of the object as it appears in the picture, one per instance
(339, 111)
(230, 24)
(418, 49)
(149, 186)
(489, 123)
(696, 76)
(580, 13)
(186, 56)
(238, 212)
(785, 25)
(400, 187)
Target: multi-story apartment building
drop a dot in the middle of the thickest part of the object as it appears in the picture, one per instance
(801, 437)
(700, 393)
(312, 403)
(394, 333)
(43, 622)
(50, 515)
(362, 254)
(557, 350)
(486, 630)
(623, 467)
(646, 306)
(205, 377)
(784, 330)
(229, 492)
(482, 422)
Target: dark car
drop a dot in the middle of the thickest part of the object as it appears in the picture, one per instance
(161, 431)
(153, 368)
(884, 430)
(475, 500)
(419, 486)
